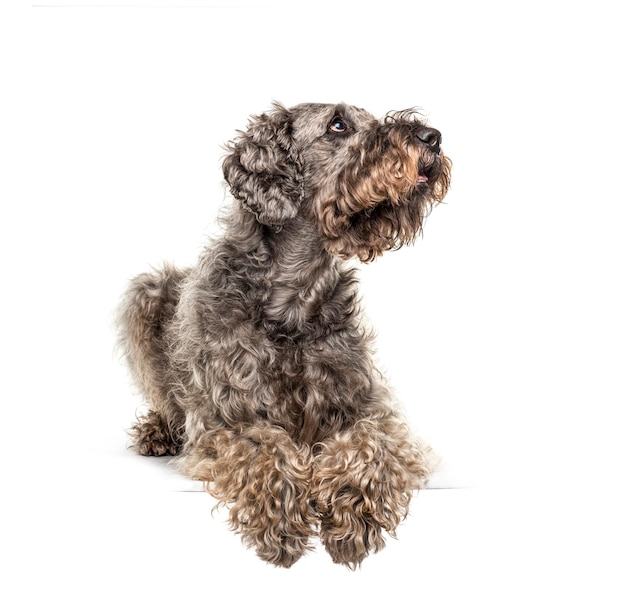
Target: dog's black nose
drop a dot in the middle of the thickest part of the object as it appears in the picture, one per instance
(431, 137)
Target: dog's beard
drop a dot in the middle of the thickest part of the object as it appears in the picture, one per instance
(380, 207)
(372, 231)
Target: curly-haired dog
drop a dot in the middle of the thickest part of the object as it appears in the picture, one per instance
(255, 362)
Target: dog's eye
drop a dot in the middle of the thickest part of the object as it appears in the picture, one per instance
(337, 125)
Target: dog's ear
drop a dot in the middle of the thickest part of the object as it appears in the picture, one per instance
(263, 168)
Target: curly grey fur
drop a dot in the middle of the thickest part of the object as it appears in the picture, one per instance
(255, 362)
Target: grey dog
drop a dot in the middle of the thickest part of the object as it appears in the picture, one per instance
(256, 364)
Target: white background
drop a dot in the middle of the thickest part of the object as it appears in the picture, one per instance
(502, 329)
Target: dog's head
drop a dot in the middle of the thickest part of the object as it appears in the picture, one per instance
(367, 184)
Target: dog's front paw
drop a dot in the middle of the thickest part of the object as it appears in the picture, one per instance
(348, 531)
(264, 477)
(361, 488)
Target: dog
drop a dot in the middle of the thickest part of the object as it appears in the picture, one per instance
(256, 365)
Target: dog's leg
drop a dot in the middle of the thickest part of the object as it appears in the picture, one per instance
(362, 483)
(144, 317)
(264, 477)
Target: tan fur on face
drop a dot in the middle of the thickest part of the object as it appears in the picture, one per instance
(378, 202)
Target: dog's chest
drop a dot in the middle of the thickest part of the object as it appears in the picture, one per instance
(315, 387)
